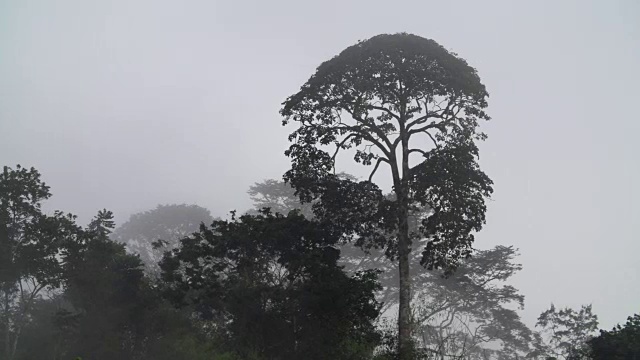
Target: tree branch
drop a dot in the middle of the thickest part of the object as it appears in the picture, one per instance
(424, 118)
(373, 128)
(424, 153)
(366, 136)
(433, 125)
(380, 159)
(433, 139)
(382, 108)
(443, 114)
(341, 144)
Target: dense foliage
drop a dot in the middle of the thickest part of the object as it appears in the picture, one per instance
(620, 343)
(32, 244)
(272, 283)
(469, 313)
(70, 291)
(261, 286)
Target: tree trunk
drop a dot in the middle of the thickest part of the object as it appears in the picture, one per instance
(7, 334)
(405, 341)
(404, 311)
(14, 344)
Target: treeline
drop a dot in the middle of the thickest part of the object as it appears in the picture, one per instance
(69, 291)
(261, 285)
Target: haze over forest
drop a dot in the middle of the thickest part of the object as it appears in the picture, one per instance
(126, 105)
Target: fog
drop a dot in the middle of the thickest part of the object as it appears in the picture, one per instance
(128, 104)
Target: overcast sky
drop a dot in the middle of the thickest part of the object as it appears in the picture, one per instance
(127, 104)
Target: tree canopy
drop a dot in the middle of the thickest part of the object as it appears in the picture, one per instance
(164, 226)
(244, 271)
(619, 343)
(32, 249)
(68, 291)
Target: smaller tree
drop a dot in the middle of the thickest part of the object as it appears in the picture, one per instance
(621, 343)
(105, 292)
(107, 309)
(565, 333)
(31, 249)
(271, 286)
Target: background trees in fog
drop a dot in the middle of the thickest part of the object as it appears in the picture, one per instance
(163, 226)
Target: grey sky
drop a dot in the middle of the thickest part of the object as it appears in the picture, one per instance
(127, 104)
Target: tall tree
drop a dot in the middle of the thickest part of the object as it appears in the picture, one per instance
(31, 249)
(166, 225)
(389, 97)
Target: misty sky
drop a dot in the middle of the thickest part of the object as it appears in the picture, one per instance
(127, 104)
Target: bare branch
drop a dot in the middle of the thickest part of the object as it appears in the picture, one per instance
(440, 113)
(424, 118)
(378, 132)
(424, 153)
(384, 109)
(432, 139)
(380, 159)
(341, 144)
(448, 321)
(444, 306)
(367, 136)
(467, 327)
(433, 125)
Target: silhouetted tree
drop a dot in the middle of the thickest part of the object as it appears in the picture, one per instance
(620, 343)
(271, 285)
(67, 291)
(389, 97)
(31, 249)
(105, 288)
(110, 311)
